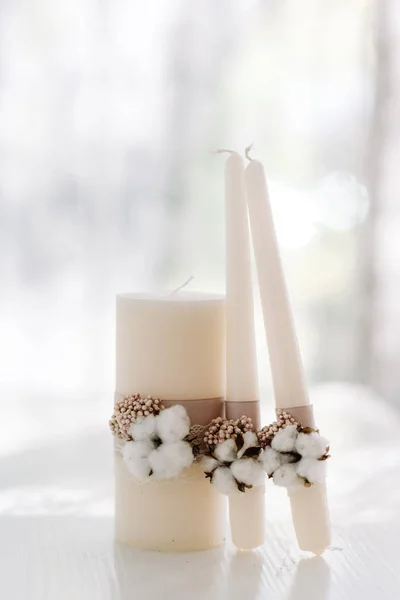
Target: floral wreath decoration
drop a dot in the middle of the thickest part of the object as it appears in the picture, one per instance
(158, 443)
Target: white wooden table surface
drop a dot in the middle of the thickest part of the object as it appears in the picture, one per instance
(56, 522)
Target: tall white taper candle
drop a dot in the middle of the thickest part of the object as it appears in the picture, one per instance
(309, 505)
(246, 511)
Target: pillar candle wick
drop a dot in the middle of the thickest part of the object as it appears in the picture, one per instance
(180, 287)
(223, 151)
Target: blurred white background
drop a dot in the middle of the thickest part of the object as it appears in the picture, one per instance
(108, 114)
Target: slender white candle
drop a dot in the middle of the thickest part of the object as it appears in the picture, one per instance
(246, 510)
(241, 362)
(309, 506)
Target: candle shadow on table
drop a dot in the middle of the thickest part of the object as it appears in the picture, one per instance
(312, 580)
(168, 575)
(245, 575)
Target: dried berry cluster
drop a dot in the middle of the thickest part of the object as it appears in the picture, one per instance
(128, 410)
(267, 433)
(221, 429)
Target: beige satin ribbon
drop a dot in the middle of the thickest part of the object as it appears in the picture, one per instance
(302, 414)
(235, 410)
(201, 411)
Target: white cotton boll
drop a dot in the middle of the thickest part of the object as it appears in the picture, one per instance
(286, 476)
(250, 439)
(311, 469)
(209, 464)
(136, 457)
(143, 429)
(270, 459)
(311, 445)
(173, 424)
(285, 439)
(169, 459)
(248, 471)
(226, 451)
(224, 481)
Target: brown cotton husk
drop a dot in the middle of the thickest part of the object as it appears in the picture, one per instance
(290, 457)
(308, 430)
(242, 487)
(252, 452)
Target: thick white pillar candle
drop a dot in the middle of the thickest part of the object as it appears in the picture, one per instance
(171, 347)
(247, 511)
(309, 506)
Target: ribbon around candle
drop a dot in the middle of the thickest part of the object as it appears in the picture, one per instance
(302, 414)
(201, 411)
(235, 410)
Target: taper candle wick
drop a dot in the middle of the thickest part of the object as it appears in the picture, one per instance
(247, 152)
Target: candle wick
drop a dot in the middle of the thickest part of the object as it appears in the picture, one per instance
(222, 151)
(247, 152)
(182, 286)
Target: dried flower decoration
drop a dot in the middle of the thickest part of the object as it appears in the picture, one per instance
(128, 410)
(196, 439)
(234, 464)
(157, 447)
(267, 433)
(159, 442)
(296, 456)
(220, 429)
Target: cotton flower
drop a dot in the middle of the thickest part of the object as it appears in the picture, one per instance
(209, 464)
(296, 456)
(224, 481)
(235, 464)
(311, 470)
(173, 424)
(311, 445)
(136, 457)
(168, 460)
(248, 471)
(285, 439)
(226, 451)
(158, 447)
(286, 476)
(144, 428)
(270, 459)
